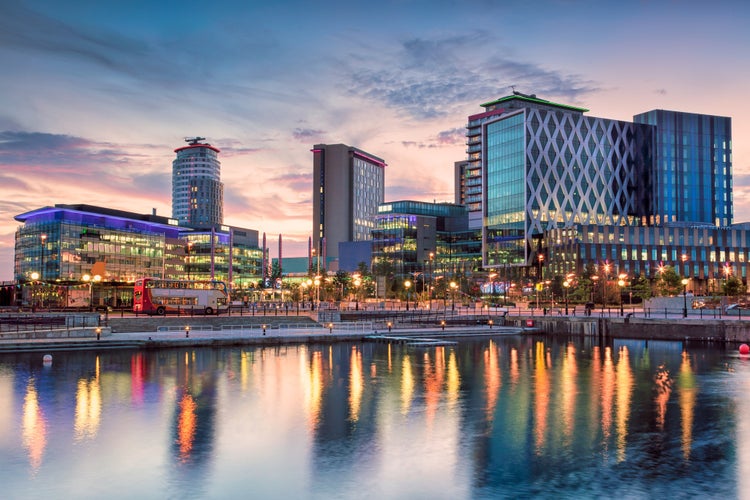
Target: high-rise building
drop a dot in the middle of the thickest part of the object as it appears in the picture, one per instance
(691, 178)
(197, 191)
(546, 166)
(348, 186)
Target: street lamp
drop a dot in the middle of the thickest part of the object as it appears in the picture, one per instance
(91, 280)
(604, 286)
(429, 283)
(684, 297)
(453, 295)
(357, 284)
(407, 285)
(189, 248)
(566, 285)
(621, 283)
(43, 238)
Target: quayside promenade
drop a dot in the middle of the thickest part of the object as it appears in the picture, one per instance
(56, 331)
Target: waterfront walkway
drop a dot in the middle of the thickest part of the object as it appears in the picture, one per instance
(202, 335)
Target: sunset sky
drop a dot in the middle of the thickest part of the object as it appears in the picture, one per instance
(95, 96)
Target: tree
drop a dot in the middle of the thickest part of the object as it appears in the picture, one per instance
(641, 288)
(669, 282)
(733, 286)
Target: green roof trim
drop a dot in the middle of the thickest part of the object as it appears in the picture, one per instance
(534, 100)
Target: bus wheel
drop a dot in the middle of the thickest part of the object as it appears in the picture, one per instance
(209, 311)
(161, 311)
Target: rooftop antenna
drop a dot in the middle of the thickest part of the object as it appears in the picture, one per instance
(193, 141)
(513, 88)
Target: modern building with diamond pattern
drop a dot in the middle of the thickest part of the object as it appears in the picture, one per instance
(546, 167)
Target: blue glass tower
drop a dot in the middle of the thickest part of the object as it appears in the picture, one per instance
(692, 169)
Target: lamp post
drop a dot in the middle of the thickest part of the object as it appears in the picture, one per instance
(357, 284)
(621, 283)
(189, 248)
(566, 285)
(453, 295)
(407, 285)
(35, 279)
(43, 238)
(604, 286)
(429, 283)
(684, 297)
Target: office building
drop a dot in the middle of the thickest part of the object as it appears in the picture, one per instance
(561, 190)
(197, 191)
(348, 186)
(691, 178)
(546, 165)
(704, 254)
(414, 236)
(73, 246)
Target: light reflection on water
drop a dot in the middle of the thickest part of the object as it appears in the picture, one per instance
(507, 417)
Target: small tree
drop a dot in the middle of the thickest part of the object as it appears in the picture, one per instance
(733, 286)
(669, 282)
(641, 288)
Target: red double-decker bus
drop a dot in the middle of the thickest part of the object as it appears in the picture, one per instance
(163, 296)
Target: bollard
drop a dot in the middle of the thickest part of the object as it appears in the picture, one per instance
(442, 324)
(490, 323)
(187, 331)
(98, 333)
(264, 329)
(390, 325)
(330, 327)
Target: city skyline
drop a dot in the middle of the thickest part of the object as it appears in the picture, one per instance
(100, 96)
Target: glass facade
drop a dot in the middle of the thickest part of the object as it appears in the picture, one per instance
(705, 254)
(368, 186)
(67, 244)
(692, 167)
(197, 192)
(505, 192)
(78, 243)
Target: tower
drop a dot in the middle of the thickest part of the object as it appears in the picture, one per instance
(692, 167)
(348, 186)
(197, 191)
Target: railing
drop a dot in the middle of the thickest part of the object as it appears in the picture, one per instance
(20, 323)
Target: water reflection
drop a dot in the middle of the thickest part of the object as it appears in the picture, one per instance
(34, 429)
(506, 417)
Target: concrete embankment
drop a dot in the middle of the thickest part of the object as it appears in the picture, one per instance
(724, 330)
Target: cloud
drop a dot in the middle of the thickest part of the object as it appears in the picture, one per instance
(430, 77)
(308, 135)
(660, 91)
(445, 138)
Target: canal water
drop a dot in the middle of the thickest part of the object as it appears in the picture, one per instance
(509, 417)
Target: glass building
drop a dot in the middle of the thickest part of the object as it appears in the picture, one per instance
(413, 237)
(71, 245)
(691, 176)
(197, 192)
(705, 254)
(546, 165)
(548, 170)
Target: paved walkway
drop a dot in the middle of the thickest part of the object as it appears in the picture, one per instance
(250, 336)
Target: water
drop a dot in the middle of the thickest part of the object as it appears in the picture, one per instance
(511, 417)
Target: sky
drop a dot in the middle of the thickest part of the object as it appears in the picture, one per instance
(95, 96)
